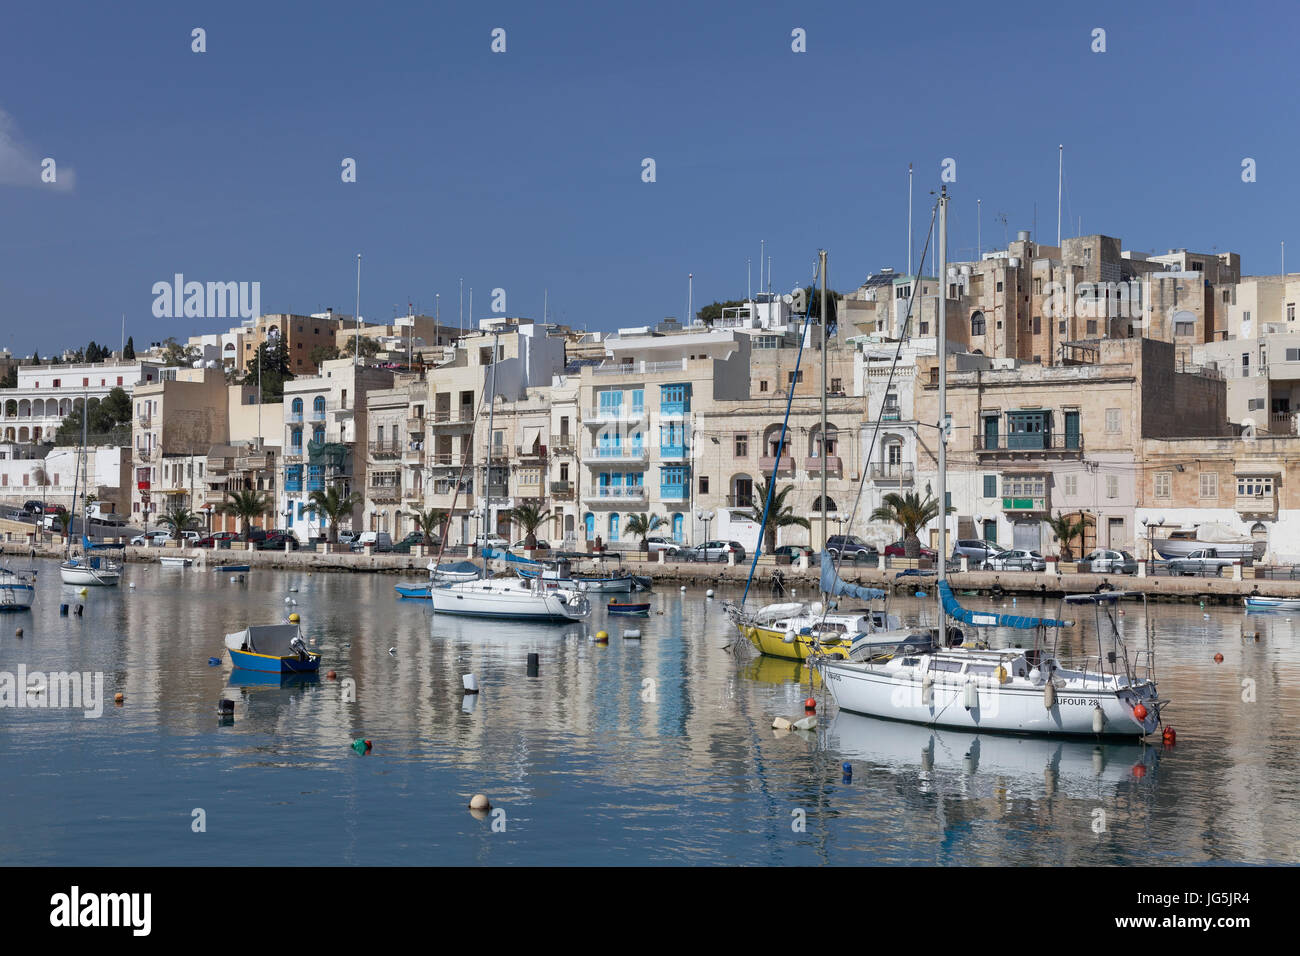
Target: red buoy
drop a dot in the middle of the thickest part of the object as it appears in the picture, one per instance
(368, 745)
(1139, 770)
(810, 704)
(330, 676)
(1170, 737)
(1218, 658)
(1140, 713)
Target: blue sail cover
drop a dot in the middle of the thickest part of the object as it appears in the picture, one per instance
(831, 583)
(88, 545)
(988, 618)
(498, 553)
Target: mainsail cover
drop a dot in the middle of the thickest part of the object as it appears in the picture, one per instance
(831, 583)
(988, 618)
(502, 555)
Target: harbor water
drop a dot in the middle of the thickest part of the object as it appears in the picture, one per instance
(649, 750)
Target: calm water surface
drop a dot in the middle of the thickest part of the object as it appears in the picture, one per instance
(651, 751)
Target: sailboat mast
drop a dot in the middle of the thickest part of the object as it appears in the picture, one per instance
(942, 349)
(487, 463)
(822, 264)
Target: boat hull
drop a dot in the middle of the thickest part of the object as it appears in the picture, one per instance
(772, 643)
(269, 664)
(628, 610)
(504, 600)
(1254, 603)
(879, 692)
(87, 576)
(1171, 548)
(16, 595)
(414, 592)
(175, 562)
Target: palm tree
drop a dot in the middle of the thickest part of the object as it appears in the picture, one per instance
(530, 518)
(641, 525)
(64, 520)
(179, 519)
(244, 505)
(333, 506)
(911, 514)
(1066, 530)
(429, 523)
(779, 514)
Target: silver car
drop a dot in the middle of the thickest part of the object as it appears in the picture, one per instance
(1016, 559)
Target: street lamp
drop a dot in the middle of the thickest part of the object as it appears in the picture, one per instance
(706, 517)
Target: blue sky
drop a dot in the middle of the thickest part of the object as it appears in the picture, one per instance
(522, 170)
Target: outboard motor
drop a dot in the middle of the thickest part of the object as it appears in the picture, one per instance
(299, 647)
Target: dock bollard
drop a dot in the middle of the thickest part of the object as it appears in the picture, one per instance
(63, 610)
(533, 665)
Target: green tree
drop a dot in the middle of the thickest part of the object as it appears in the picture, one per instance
(333, 506)
(530, 518)
(323, 353)
(815, 302)
(779, 515)
(179, 519)
(429, 523)
(911, 514)
(108, 421)
(10, 379)
(1066, 530)
(176, 354)
(275, 370)
(642, 526)
(128, 353)
(246, 506)
(63, 520)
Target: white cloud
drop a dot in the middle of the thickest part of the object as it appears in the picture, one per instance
(20, 165)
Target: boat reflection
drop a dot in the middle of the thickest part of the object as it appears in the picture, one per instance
(778, 670)
(263, 680)
(991, 764)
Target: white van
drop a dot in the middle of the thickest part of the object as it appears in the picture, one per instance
(379, 540)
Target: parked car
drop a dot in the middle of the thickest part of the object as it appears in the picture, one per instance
(411, 540)
(852, 547)
(34, 507)
(656, 543)
(518, 546)
(974, 550)
(379, 540)
(276, 540)
(348, 536)
(491, 541)
(1202, 561)
(793, 551)
(216, 540)
(15, 514)
(715, 551)
(1016, 559)
(151, 538)
(899, 550)
(1106, 561)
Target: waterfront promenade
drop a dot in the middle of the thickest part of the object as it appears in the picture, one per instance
(798, 583)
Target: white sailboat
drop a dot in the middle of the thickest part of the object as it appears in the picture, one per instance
(87, 569)
(974, 686)
(17, 589)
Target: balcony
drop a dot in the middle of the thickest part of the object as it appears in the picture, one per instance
(415, 424)
(293, 417)
(532, 489)
(1032, 505)
(530, 452)
(562, 490)
(675, 409)
(610, 495)
(385, 449)
(639, 368)
(219, 466)
(413, 456)
(318, 414)
(1030, 445)
(814, 465)
(767, 463)
(629, 454)
(444, 459)
(891, 413)
(673, 452)
(1260, 503)
(294, 457)
(894, 473)
(674, 492)
(564, 447)
(384, 491)
(144, 454)
(498, 490)
(293, 485)
(613, 413)
(444, 417)
(499, 453)
(1282, 423)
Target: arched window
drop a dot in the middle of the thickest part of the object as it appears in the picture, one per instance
(297, 408)
(613, 527)
(318, 434)
(977, 323)
(589, 522)
(318, 406)
(830, 502)
(678, 525)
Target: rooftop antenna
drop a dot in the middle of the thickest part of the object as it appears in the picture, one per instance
(762, 257)
(356, 356)
(460, 322)
(979, 242)
(909, 219)
(749, 278)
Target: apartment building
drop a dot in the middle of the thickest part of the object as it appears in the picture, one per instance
(1032, 441)
(325, 429)
(47, 394)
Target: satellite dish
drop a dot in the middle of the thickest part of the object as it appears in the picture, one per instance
(788, 299)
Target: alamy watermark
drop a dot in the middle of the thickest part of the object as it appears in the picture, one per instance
(56, 690)
(213, 300)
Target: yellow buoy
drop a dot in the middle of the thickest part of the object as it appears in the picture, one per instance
(1002, 675)
(293, 618)
(83, 592)
(602, 636)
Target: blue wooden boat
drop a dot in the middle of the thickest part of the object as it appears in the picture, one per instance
(628, 608)
(1259, 602)
(272, 649)
(413, 591)
(232, 567)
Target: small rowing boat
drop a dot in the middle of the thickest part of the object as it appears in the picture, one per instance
(628, 608)
(272, 649)
(1260, 602)
(232, 567)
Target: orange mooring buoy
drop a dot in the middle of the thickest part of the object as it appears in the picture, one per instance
(1170, 737)
(1139, 770)
(1140, 712)
(810, 704)
(1218, 658)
